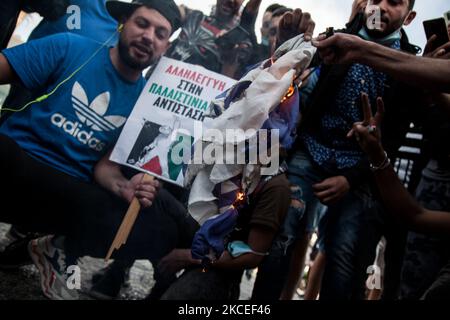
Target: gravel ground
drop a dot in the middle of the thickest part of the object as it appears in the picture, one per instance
(23, 283)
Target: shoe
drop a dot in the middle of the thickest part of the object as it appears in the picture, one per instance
(52, 264)
(15, 255)
(300, 292)
(108, 282)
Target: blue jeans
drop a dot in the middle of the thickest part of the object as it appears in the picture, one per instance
(343, 235)
(304, 212)
(349, 245)
(300, 218)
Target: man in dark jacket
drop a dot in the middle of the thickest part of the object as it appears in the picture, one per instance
(328, 168)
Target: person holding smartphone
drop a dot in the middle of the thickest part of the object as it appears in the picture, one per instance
(447, 18)
(437, 31)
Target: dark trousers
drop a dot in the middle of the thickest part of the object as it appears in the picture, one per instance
(440, 289)
(43, 199)
(348, 236)
(426, 255)
(212, 285)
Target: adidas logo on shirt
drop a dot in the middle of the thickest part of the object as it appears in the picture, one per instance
(91, 118)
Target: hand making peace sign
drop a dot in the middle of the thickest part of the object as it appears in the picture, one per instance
(367, 132)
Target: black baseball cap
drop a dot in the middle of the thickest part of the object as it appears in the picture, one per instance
(167, 8)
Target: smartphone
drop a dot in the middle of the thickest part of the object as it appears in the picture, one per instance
(437, 27)
(447, 17)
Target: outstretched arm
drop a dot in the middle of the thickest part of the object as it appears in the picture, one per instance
(294, 23)
(395, 197)
(423, 72)
(399, 202)
(252, 7)
(249, 15)
(259, 240)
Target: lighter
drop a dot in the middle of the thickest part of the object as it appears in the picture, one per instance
(330, 32)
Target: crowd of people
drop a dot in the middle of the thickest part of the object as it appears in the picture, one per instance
(65, 199)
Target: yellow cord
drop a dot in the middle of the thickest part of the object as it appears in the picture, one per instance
(46, 96)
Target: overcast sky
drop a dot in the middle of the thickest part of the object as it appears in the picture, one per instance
(334, 13)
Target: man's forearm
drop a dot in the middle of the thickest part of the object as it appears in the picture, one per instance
(401, 204)
(260, 240)
(246, 261)
(426, 73)
(109, 176)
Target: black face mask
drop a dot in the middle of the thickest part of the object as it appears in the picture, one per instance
(48, 9)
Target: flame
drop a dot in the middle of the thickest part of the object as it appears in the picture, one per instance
(240, 198)
(289, 93)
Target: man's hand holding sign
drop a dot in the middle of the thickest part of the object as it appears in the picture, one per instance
(139, 191)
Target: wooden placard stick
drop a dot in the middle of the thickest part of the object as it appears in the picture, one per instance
(128, 222)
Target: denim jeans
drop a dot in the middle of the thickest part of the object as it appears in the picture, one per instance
(300, 218)
(303, 213)
(349, 245)
(344, 231)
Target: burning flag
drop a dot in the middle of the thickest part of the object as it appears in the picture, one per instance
(266, 98)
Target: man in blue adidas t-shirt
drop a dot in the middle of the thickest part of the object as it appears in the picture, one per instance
(88, 18)
(54, 154)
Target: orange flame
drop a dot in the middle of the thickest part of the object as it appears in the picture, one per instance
(289, 93)
(240, 198)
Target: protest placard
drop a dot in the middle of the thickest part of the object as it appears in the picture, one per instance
(161, 126)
